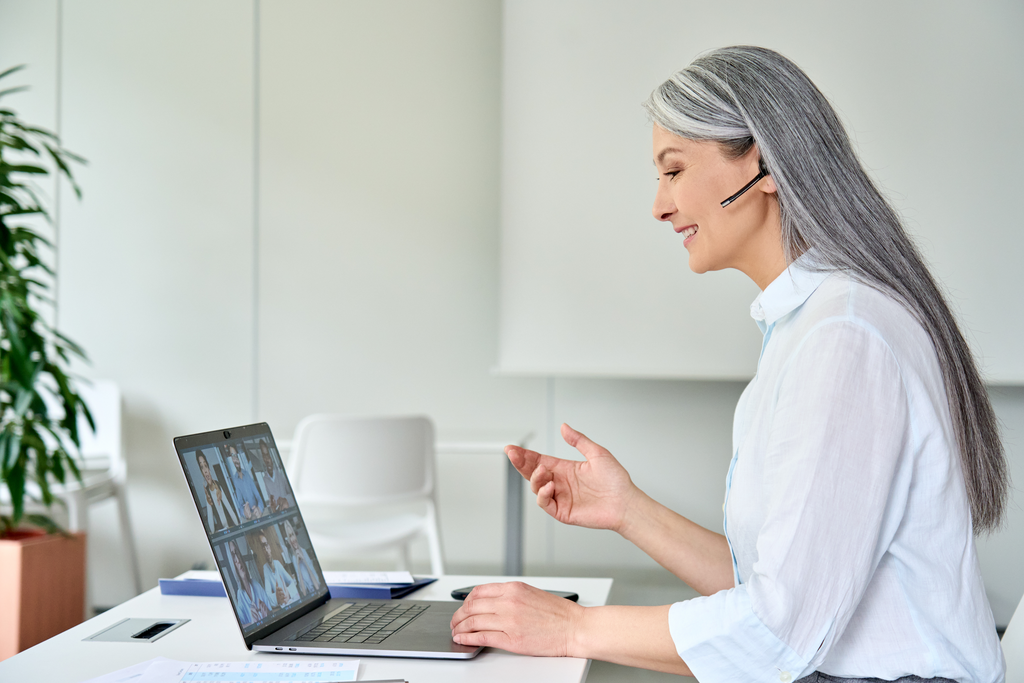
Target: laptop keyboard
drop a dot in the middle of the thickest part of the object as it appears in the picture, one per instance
(369, 623)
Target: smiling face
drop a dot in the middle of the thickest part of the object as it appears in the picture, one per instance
(204, 467)
(290, 535)
(266, 546)
(243, 575)
(694, 178)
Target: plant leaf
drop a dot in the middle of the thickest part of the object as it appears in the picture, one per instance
(46, 524)
(12, 70)
(15, 480)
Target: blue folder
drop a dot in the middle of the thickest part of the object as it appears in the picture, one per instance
(376, 591)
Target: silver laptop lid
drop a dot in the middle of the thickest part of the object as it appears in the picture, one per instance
(271, 574)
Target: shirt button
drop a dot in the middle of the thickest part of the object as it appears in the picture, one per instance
(785, 677)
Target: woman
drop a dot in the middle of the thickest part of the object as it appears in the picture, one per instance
(865, 451)
(219, 512)
(246, 494)
(251, 600)
(309, 578)
(277, 581)
(274, 481)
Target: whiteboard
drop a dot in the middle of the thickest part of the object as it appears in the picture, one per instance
(593, 285)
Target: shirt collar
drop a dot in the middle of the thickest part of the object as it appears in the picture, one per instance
(787, 292)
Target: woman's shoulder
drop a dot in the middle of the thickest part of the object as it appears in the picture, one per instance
(843, 301)
(841, 298)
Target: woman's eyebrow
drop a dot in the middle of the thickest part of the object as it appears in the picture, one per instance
(665, 152)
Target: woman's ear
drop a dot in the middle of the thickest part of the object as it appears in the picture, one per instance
(769, 184)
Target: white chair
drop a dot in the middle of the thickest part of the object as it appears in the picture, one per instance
(367, 484)
(1013, 646)
(103, 468)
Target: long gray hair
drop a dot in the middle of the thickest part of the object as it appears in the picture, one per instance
(741, 96)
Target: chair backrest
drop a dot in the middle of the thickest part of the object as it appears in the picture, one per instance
(362, 460)
(103, 397)
(1013, 646)
(102, 449)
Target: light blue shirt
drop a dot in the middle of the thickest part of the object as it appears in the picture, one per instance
(246, 604)
(304, 567)
(278, 577)
(846, 511)
(245, 492)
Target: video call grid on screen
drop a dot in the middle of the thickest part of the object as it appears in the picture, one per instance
(248, 511)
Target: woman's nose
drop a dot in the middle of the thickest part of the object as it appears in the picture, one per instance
(663, 206)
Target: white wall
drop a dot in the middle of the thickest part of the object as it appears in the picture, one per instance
(574, 75)
(362, 277)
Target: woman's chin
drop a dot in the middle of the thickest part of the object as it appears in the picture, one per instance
(697, 264)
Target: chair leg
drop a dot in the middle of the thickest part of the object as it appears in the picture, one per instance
(403, 557)
(128, 538)
(78, 511)
(78, 520)
(433, 533)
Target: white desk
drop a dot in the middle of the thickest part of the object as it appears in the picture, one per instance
(213, 635)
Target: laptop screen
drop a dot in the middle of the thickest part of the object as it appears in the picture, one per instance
(254, 527)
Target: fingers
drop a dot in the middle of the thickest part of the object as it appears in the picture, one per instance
(475, 626)
(482, 603)
(487, 590)
(540, 477)
(474, 629)
(498, 639)
(546, 498)
(543, 484)
(580, 442)
(525, 461)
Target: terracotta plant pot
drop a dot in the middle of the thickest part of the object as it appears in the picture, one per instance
(42, 588)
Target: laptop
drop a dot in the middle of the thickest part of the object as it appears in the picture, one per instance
(270, 571)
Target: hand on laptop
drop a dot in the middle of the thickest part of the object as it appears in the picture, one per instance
(518, 618)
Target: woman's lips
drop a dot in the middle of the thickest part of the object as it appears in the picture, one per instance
(687, 232)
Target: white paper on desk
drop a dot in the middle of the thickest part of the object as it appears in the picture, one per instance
(162, 670)
(132, 674)
(201, 575)
(335, 578)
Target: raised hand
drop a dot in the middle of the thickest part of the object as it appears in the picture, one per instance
(594, 493)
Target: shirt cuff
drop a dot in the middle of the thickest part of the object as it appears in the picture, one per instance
(721, 639)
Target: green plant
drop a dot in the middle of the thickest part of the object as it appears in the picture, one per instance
(37, 438)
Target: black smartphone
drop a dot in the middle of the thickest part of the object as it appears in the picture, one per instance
(462, 593)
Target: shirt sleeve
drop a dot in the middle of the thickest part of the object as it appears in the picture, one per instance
(839, 426)
(228, 510)
(270, 586)
(244, 611)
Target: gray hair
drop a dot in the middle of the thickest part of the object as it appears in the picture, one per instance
(742, 96)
